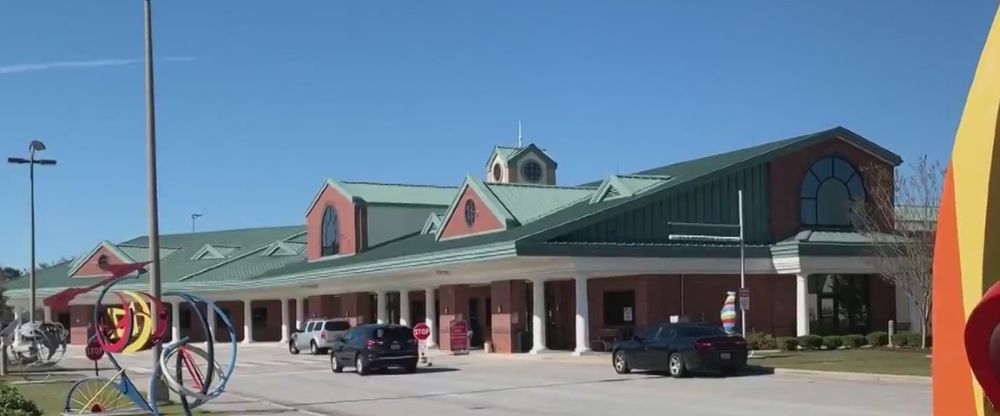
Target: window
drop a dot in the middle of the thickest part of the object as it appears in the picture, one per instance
(311, 327)
(497, 172)
(619, 308)
(699, 331)
(219, 321)
(337, 326)
(531, 171)
(470, 212)
(828, 189)
(649, 333)
(185, 315)
(102, 262)
(330, 233)
(259, 317)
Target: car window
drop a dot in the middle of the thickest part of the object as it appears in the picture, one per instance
(337, 326)
(393, 333)
(649, 333)
(313, 325)
(699, 331)
(666, 332)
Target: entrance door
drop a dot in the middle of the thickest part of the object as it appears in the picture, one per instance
(560, 317)
(842, 302)
(475, 323)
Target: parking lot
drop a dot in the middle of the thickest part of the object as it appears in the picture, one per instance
(268, 380)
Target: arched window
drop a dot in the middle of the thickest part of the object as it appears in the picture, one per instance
(470, 212)
(531, 171)
(828, 189)
(330, 233)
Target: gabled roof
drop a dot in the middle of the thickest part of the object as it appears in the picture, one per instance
(527, 203)
(214, 252)
(492, 203)
(107, 245)
(284, 248)
(625, 186)
(389, 193)
(512, 154)
(432, 224)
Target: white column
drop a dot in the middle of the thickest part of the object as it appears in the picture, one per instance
(381, 307)
(17, 319)
(430, 316)
(247, 322)
(47, 313)
(175, 320)
(284, 320)
(801, 309)
(300, 314)
(404, 307)
(210, 316)
(538, 316)
(582, 317)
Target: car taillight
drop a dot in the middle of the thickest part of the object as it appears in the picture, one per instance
(703, 345)
(371, 344)
(322, 334)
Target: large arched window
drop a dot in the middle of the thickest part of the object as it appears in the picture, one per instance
(330, 234)
(828, 189)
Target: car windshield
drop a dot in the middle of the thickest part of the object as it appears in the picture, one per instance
(394, 333)
(337, 326)
(698, 331)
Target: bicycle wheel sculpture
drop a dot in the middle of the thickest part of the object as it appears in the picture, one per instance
(34, 347)
(189, 371)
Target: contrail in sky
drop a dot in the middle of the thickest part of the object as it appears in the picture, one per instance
(93, 63)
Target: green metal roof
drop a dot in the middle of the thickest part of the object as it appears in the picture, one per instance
(387, 193)
(626, 186)
(511, 154)
(530, 202)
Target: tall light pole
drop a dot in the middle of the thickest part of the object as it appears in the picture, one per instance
(154, 227)
(193, 218)
(34, 146)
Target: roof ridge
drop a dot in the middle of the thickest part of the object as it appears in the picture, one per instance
(535, 185)
(219, 231)
(397, 184)
(641, 176)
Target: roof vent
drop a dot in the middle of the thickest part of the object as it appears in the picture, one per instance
(214, 252)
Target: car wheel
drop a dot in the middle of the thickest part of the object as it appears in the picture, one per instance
(359, 366)
(676, 366)
(620, 363)
(313, 348)
(292, 349)
(334, 364)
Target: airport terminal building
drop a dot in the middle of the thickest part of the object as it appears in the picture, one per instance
(531, 264)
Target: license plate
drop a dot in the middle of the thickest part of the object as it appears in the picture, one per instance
(394, 347)
(724, 355)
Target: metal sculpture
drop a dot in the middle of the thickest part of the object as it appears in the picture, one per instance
(34, 346)
(189, 371)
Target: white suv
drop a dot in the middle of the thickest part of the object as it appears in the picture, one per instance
(317, 335)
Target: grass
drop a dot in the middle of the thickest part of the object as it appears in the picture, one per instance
(50, 396)
(871, 360)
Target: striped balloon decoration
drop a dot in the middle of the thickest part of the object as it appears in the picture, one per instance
(729, 313)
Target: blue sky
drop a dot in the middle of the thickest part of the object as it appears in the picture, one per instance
(259, 101)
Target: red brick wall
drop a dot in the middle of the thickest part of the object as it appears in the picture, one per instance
(235, 313)
(509, 302)
(90, 267)
(356, 307)
(321, 306)
(454, 300)
(787, 173)
(882, 295)
(271, 329)
(485, 220)
(80, 317)
(345, 221)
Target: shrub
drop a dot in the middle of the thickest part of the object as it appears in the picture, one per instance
(854, 341)
(788, 343)
(811, 342)
(761, 341)
(913, 340)
(13, 402)
(900, 339)
(832, 342)
(878, 338)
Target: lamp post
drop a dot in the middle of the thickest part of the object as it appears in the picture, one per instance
(33, 147)
(154, 227)
(729, 239)
(193, 218)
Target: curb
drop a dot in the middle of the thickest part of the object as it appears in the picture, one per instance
(841, 375)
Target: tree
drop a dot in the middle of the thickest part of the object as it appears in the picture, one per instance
(10, 273)
(899, 217)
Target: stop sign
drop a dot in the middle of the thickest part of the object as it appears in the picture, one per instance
(421, 331)
(94, 351)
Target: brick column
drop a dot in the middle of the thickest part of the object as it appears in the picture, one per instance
(431, 317)
(454, 307)
(510, 302)
(404, 307)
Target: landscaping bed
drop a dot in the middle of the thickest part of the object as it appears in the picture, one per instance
(909, 362)
(49, 396)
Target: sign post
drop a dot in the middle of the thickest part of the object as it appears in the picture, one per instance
(745, 299)
(94, 352)
(459, 337)
(422, 332)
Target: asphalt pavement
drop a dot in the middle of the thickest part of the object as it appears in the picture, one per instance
(268, 380)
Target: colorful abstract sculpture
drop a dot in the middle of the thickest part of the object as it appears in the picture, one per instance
(729, 313)
(966, 299)
(189, 371)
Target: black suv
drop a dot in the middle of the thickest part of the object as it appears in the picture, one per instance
(375, 346)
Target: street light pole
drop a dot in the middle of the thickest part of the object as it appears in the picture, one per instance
(34, 146)
(193, 218)
(154, 228)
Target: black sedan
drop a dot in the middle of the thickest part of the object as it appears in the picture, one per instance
(375, 346)
(680, 349)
